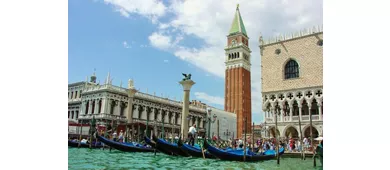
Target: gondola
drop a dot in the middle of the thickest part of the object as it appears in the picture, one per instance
(157, 147)
(193, 150)
(238, 155)
(83, 145)
(125, 147)
(169, 148)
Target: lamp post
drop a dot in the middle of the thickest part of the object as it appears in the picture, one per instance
(209, 121)
(277, 111)
(188, 121)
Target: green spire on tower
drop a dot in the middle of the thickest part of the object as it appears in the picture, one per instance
(238, 24)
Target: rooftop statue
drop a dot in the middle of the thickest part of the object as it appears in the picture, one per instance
(131, 83)
(186, 76)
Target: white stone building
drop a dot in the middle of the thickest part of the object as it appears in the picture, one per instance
(227, 124)
(109, 103)
(292, 71)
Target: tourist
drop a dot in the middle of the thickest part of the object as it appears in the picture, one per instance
(272, 146)
(233, 143)
(121, 136)
(240, 143)
(114, 136)
(299, 146)
(305, 144)
(291, 144)
(319, 151)
(84, 141)
(191, 134)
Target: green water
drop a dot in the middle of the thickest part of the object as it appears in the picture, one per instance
(104, 159)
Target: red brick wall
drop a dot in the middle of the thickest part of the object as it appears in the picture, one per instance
(238, 97)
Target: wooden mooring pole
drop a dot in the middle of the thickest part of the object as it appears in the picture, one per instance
(245, 139)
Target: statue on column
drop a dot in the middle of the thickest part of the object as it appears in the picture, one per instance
(186, 76)
(131, 83)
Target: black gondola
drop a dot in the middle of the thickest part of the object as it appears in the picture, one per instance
(238, 155)
(125, 147)
(170, 148)
(193, 151)
(157, 147)
(83, 145)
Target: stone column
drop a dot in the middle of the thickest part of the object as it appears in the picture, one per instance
(82, 110)
(187, 84)
(96, 106)
(319, 104)
(160, 116)
(135, 111)
(90, 107)
(300, 110)
(290, 105)
(151, 116)
(104, 100)
(281, 114)
(174, 118)
(130, 95)
(166, 118)
(154, 122)
(320, 112)
(109, 103)
(118, 108)
(179, 120)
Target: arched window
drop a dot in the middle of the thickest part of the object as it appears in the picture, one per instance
(238, 55)
(291, 70)
(230, 56)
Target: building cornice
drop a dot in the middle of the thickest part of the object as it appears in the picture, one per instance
(294, 36)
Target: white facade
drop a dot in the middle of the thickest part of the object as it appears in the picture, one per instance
(227, 124)
(108, 102)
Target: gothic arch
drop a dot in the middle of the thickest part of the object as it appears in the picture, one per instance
(291, 127)
(307, 128)
(291, 63)
(271, 131)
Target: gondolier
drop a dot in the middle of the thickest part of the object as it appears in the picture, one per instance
(191, 134)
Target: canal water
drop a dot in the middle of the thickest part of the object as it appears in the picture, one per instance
(83, 158)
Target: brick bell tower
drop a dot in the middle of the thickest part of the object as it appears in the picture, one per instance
(238, 74)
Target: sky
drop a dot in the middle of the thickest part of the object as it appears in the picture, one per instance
(153, 42)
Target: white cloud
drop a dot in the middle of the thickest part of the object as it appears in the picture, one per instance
(126, 45)
(123, 12)
(152, 9)
(209, 99)
(163, 26)
(166, 61)
(210, 20)
(160, 41)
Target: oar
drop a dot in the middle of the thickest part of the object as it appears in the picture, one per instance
(203, 151)
(314, 158)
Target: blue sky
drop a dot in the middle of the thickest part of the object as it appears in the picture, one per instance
(153, 42)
